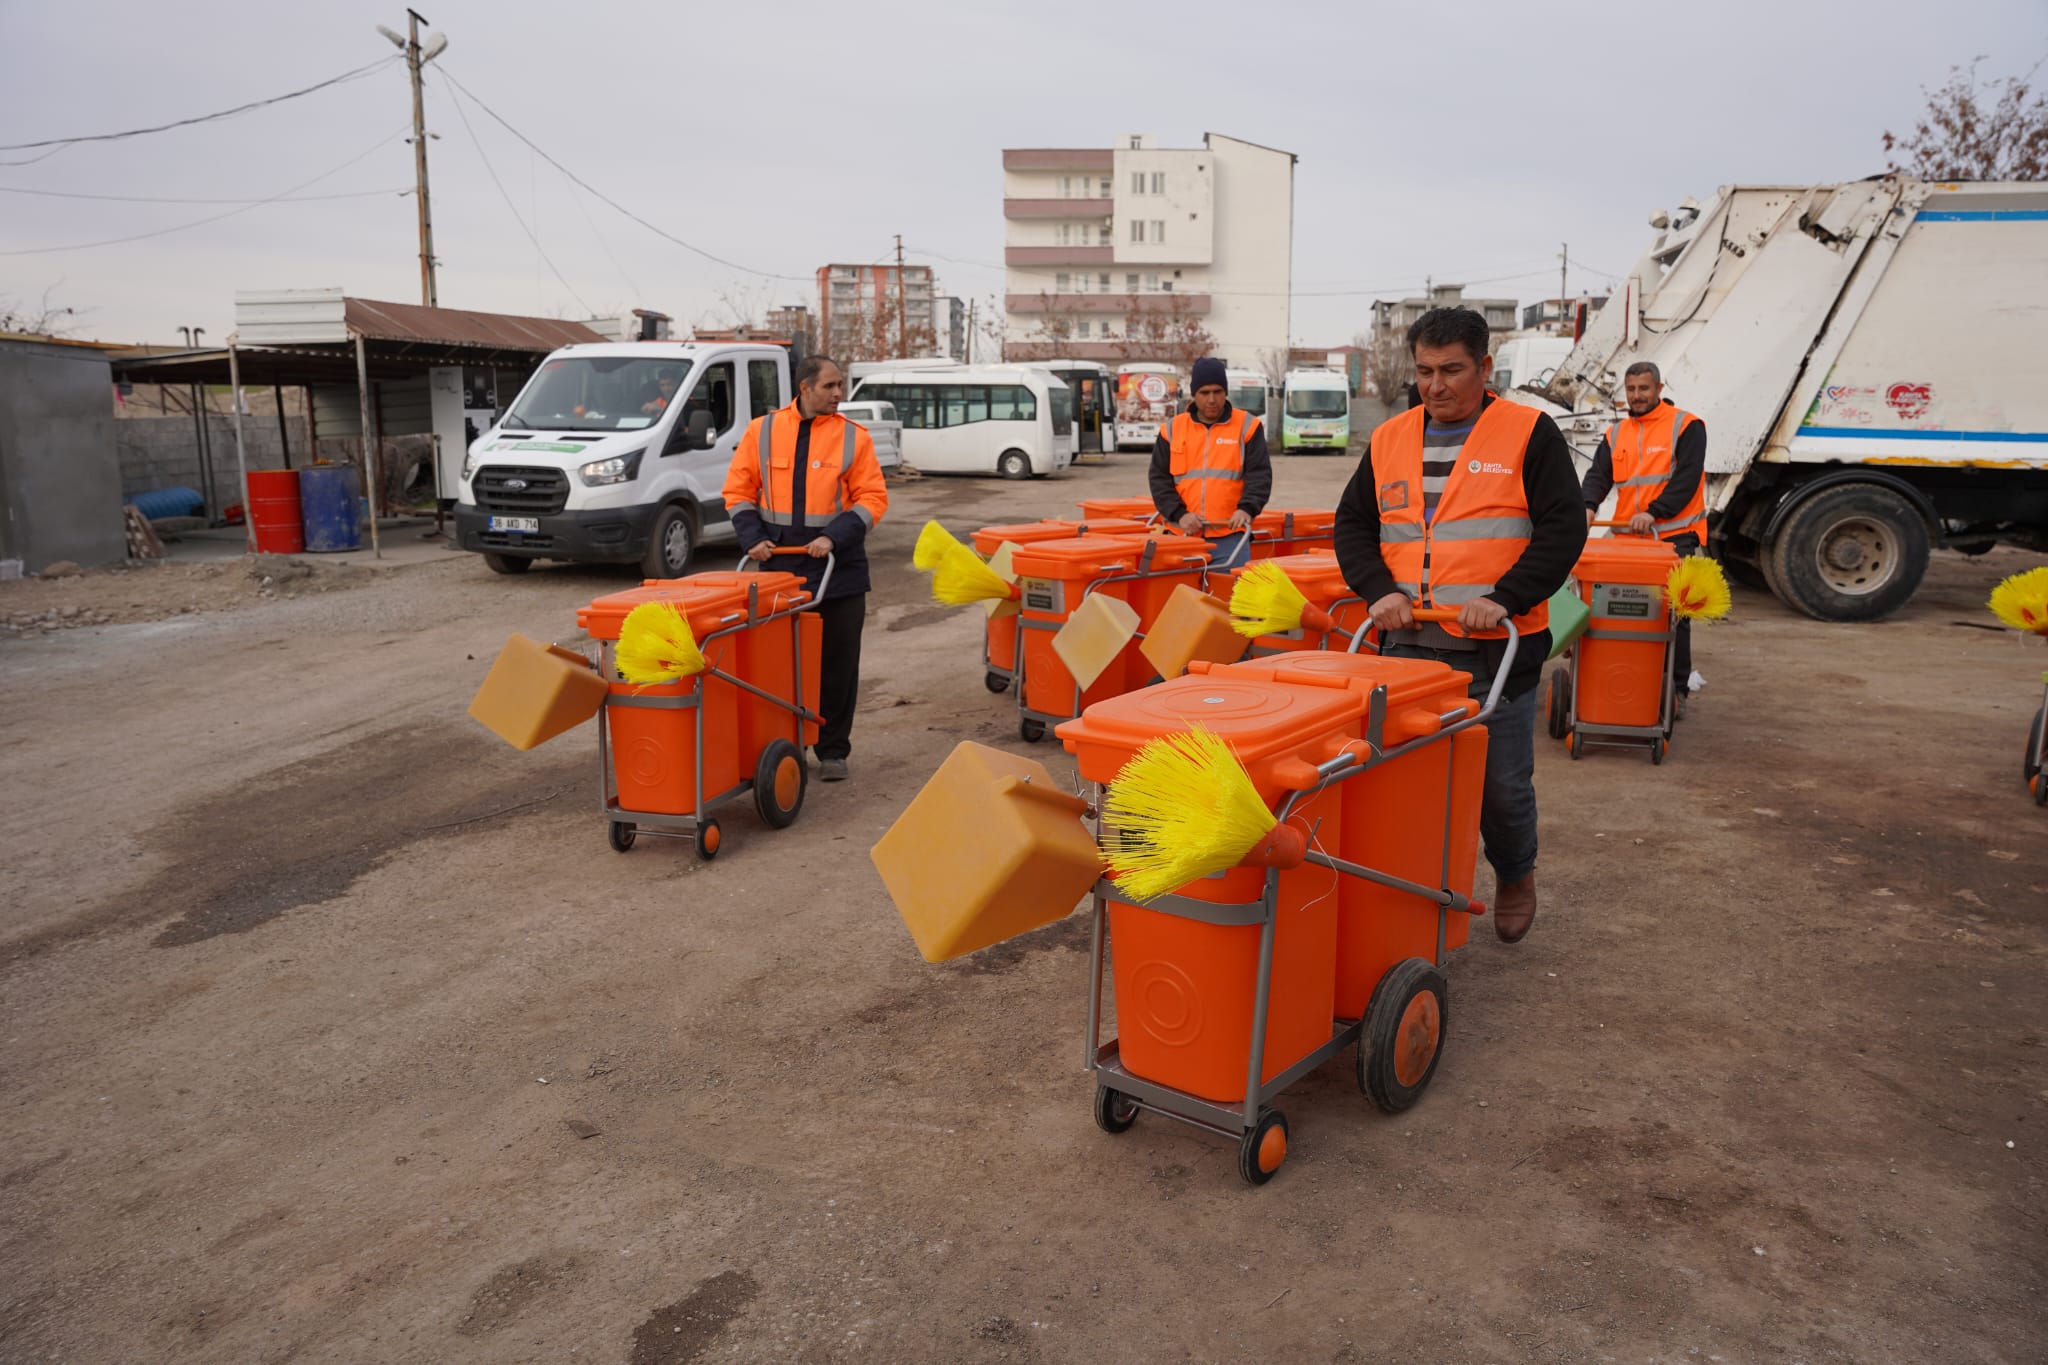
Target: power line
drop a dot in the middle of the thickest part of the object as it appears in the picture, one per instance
(1379, 291)
(158, 199)
(217, 217)
(607, 199)
(541, 250)
(202, 118)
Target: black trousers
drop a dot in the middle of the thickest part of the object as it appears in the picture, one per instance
(1681, 663)
(839, 673)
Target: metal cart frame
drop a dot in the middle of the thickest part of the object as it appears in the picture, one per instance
(698, 826)
(1580, 735)
(2036, 769)
(1247, 1122)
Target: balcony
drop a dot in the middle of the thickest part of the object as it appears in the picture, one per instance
(1058, 159)
(1059, 255)
(1117, 305)
(1079, 210)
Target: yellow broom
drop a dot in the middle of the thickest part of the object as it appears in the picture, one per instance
(656, 646)
(2021, 601)
(1264, 601)
(1183, 808)
(961, 577)
(932, 543)
(1697, 590)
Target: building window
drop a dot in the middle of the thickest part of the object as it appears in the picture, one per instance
(1060, 284)
(1137, 182)
(1159, 182)
(1105, 194)
(1138, 144)
(1102, 285)
(1081, 283)
(1081, 330)
(1152, 284)
(1131, 287)
(1137, 230)
(1158, 231)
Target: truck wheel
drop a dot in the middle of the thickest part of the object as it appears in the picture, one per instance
(511, 564)
(673, 542)
(1014, 464)
(1855, 552)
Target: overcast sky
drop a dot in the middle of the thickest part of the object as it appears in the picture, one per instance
(1462, 140)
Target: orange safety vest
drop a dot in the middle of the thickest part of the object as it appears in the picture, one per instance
(843, 473)
(1645, 450)
(1208, 464)
(1481, 525)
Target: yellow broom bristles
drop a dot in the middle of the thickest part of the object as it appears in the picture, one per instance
(1182, 808)
(932, 543)
(656, 646)
(961, 578)
(2021, 601)
(1697, 590)
(1265, 602)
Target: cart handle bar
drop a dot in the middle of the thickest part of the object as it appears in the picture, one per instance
(823, 579)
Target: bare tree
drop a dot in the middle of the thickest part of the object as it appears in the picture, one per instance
(1388, 366)
(991, 330)
(1050, 338)
(1165, 327)
(1273, 360)
(43, 319)
(1976, 130)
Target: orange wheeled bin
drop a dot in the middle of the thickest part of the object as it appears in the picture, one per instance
(1165, 563)
(671, 753)
(1316, 574)
(1614, 685)
(1357, 752)
(999, 638)
(1303, 529)
(1054, 577)
(1138, 509)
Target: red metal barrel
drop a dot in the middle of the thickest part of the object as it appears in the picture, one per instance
(274, 511)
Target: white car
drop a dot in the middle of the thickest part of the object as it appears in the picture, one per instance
(883, 429)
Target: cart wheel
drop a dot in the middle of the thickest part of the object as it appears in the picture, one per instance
(1575, 745)
(1658, 748)
(1263, 1149)
(2028, 765)
(1404, 1034)
(708, 840)
(2041, 788)
(1114, 1111)
(1031, 730)
(780, 780)
(995, 682)
(621, 835)
(1560, 703)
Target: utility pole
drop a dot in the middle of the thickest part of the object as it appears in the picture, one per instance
(1564, 263)
(902, 328)
(416, 58)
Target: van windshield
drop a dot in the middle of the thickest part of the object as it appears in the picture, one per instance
(1252, 399)
(598, 393)
(1323, 403)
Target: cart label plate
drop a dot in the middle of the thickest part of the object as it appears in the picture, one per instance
(1624, 601)
(515, 523)
(1043, 594)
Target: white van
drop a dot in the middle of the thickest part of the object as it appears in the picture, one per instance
(1315, 411)
(617, 453)
(1249, 391)
(1527, 362)
(883, 428)
(1012, 420)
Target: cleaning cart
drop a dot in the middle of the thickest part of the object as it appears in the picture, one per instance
(999, 637)
(1614, 685)
(670, 754)
(1234, 986)
(1317, 575)
(2036, 765)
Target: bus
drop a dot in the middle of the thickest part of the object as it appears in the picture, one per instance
(1147, 397)
(1315, 411)
(1094, 404)
(1012, 420)
(1249, 391)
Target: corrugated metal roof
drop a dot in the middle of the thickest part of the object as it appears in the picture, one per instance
(377, 320)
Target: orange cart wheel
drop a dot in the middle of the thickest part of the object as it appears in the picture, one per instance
(1115, 1112)
(1404, 1034)
(780, 779)
(1658, 748)
(1263, 1149)
(2041, 788)
(1031, 730)
(708, 840)
(1560, 702)
(995, 682)
(620, 835)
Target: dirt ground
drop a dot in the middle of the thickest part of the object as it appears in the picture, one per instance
(333, 1030)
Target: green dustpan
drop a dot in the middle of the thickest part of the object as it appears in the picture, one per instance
(1568, 617)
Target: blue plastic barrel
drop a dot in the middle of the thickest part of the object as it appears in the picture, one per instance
(168, 502)
(328, 496)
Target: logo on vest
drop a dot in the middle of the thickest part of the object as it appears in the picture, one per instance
(1394, 496)
(1475, 467)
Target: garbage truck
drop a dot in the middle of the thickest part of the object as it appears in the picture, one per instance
(1863, 355)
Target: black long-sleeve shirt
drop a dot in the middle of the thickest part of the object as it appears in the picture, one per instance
(1688, 467)
(1551, 488)
(1258, 470)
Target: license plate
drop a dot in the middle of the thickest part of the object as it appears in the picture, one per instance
(515, 523)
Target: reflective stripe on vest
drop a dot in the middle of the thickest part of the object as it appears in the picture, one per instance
(1481, 524)
(1212, 488)
(1640, 477)
(764, 450)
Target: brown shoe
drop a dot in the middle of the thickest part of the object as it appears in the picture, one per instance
(1514, 908)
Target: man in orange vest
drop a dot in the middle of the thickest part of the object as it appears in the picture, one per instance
(1655, 463)
(1470, 501)
(804, 475)
(1211, 473)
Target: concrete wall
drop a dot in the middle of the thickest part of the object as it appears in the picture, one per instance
(60, 486)
(162, 452)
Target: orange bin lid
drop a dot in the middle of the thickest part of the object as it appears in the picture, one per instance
(1116, 526)
(1261, 720)
(1406, 680)
(1308, 521)
(1023, 533)
(705, 605)
(1316, 573)
(1117, 507)
(1076, 557)
(1171, 548)
(1631, 559)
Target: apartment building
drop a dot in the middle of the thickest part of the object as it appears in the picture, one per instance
(1396, 316)
(858, 313)
(1110, 251)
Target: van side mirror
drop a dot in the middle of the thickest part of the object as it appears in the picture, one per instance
(693, 434)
